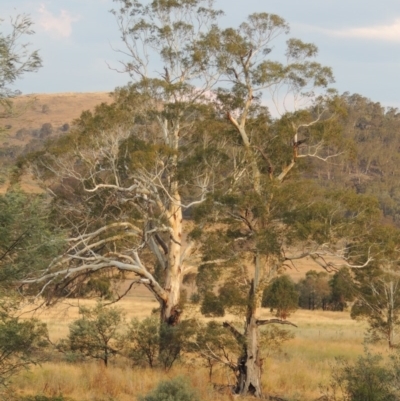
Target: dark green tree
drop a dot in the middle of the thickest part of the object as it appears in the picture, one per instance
(281, 295)
(141, 343)
(212, 305)
(342, 289)
(314, 290)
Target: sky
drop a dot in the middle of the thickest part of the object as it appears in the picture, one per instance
(358, 39)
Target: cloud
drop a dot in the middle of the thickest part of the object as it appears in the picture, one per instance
(390, 32)
(61, 26)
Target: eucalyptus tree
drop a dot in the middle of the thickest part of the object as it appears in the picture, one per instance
(377, 287)
(123, 179)
(268, 205)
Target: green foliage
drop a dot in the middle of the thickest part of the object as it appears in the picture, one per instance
(314, 290)
(215, 346)
(212, 305)
(281, 294)
(342, 289)
(95, 335)
(149, 342)
(15, 57)
(174, 342)
(318, 291)
(28, 239)
(366, 380)
(177, 389)
(141, 343)
(378, 285)
(20, 343)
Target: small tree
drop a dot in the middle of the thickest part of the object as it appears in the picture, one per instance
(281, 295)
(142, 341)
(15, 60)
(20, 342)
(377, 286)
(95, 334)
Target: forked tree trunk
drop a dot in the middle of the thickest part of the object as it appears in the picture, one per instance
(249, 364)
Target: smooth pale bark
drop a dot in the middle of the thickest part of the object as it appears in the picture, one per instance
(170, 312)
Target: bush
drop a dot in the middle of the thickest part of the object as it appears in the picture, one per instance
(46, 130)
(150, 343)
(195, 298)
(65, 127)
(178, 389)
(367, 380)
(20, 345)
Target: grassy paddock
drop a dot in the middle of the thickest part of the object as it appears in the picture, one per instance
(296, 373)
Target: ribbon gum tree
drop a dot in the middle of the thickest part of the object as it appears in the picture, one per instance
(269, 206)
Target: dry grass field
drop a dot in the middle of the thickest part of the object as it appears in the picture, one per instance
(296, 373)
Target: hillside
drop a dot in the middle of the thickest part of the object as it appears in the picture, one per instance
(36, 118)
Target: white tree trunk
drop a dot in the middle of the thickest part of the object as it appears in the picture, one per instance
(170, 311)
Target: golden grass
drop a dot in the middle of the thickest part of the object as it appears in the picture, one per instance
(91, 381)
(296, 373)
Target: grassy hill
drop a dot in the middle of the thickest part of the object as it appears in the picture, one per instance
(36, 118)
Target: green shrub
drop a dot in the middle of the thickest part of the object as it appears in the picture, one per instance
(178, 389)
(368, 379)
